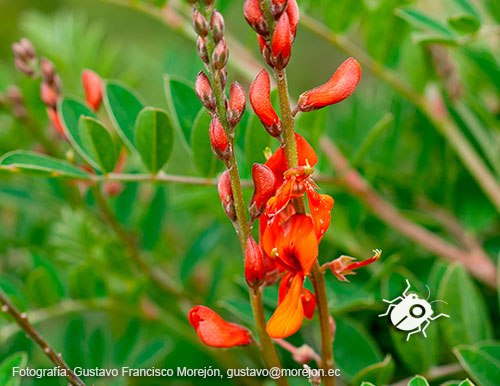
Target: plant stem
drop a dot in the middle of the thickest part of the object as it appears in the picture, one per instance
(164, 282)
(266, 345)
(317, 277)
(23, 322)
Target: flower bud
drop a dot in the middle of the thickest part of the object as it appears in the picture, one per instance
(292, 10)
(48, 69)
(204, 92)
(222, 75)
(255, 267)
(200, 24)
(277, 7)
(226, 195)
(48, 95)
(265, 50)
(28, 48)
(201, 44)
(264, 182)
(218, 139)
(54, 119)
(341, 85)
(260, 98)
(92, 84)
(282, 42)
(218, 25)
(23, 67)
(220, 55)
(237, 101)
(255, 17)
(215, 331)
(309, 303)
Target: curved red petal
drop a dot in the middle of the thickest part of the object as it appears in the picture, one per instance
(301, 242)
(321, 206)
(289, 315)
(215, 331)
(309, 303)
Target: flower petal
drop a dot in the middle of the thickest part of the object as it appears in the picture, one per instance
(300, 241)
(289, 315)
(309, 303)
(215, 331)
(321, 206)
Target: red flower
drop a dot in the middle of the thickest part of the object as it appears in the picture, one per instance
(92, 84)
(344, 265)
(293, 243)
(260, 98)
(341, 85)
(218, 139)
(282, 42)
(255, 17)
(289, 315)
(264, 182)
(215, 331)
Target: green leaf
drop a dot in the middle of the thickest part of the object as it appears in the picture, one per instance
(418, 381)
(204, 159)
(152, 223)
(433, 31)
(42, 288)
(479, 364)
(7, 365)
(469, 321)
(378, 373)
(464, 23)
(123, 106)
(367, 384)
(353, 341)
(84, 283)
(183, 104)
(153, 354)
(41, 165)
(154, 138)
(98, 142)
(466, 6)
(71, 110)
(466, 382)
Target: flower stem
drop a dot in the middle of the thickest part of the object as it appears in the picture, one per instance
(317, 278)
(266, 345)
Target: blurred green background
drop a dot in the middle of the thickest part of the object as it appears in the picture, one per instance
(67, 269)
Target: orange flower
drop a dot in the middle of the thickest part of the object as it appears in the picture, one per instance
(215, 331)
(293, 243)
(289, 315)
(345, 265)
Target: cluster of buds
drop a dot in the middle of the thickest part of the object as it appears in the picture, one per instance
(25, 58)
(13, 99)
(276, 29)
(50, 92)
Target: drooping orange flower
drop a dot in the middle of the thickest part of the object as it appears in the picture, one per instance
(215, 331)
(345, 265)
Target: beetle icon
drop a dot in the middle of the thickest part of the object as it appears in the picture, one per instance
(411, 313)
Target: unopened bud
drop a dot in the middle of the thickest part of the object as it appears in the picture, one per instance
(309, 303)
(341, 85)
(219, 140)
(48, 69)
(54, 119)
(204, 92)
(92, 84)
(200, 23)
(222, 74)
(292, 10)
(23, 67)
(282, 42)
(255, 17)
(255, 267)
(48, 95)
(226, 195)
(237, 101)
(220, 55)
(264, 182)
(277, 7)
(28, 48)
(217, 24)
(260, 98)
(201, 44)
(265, 50)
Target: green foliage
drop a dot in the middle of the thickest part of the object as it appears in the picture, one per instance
(203, 157)
(6, 367)
(481, 361)
(98, 142)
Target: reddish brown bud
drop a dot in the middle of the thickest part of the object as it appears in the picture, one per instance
(92, 84)
(282, 42)
(255, 17)
(23, 67)
(264, 182)
(223, 77)
(218, 25)
(218, 139)
(292, 10)
(28, 48)
(265, 50)
(204, 91)
(54, 119)
(220, 55)
(260, 98)
(255, 267)
(277, 7)
(48, 69)
(226, 195)
(237, 101)
(341, 85)
(201, 44)
(48, 95)
(200, 24)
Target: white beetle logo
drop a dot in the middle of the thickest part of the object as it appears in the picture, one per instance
(411, 313)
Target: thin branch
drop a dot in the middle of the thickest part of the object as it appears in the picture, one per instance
(22, 321)
(477, 262)
(463, 149)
